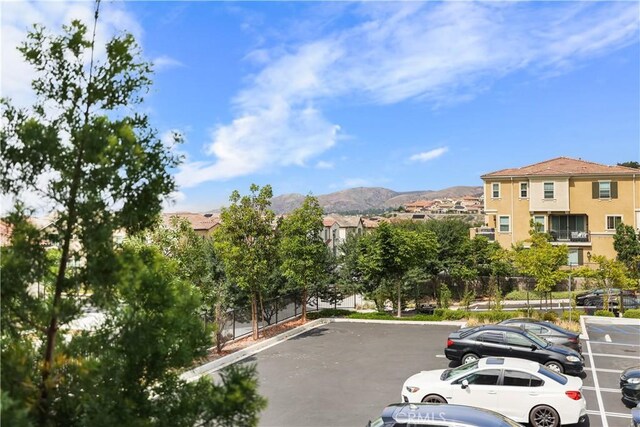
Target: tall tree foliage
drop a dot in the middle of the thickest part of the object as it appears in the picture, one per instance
(246, 243)
(626, 242)
(305, 258)
(390, 252)
(106, 170)
(542, 261)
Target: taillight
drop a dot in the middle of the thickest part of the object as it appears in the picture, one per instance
(573, 339)
(449, 343)
(575, 395)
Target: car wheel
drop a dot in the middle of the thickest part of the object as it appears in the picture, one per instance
(433, 398)
(468, 358)
(555, 366)
(544, 416)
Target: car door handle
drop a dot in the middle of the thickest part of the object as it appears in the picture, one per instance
(534, 394)
(491, 392)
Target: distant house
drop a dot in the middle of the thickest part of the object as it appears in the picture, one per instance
(419, 205)
(338, 227)
(202, 224)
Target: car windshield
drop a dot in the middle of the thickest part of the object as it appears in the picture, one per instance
(540, 342)
(450, 373)
(553, 375)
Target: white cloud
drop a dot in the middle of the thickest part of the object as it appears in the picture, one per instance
(165, 62)
(324, 165)
(429, 155)
(430, 52)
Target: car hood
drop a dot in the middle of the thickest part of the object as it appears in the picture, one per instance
(424, 377)
(632, 372)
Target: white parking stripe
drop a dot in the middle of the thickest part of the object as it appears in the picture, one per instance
(610, 355)
(441, 355)
(615, 343)
(610, 414)
(614, 371)
(608, 390)
(605, 423)
(607, 338)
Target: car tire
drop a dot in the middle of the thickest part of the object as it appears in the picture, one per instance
(469, 357)
(555, 366)
(433, 398)
(544, 416)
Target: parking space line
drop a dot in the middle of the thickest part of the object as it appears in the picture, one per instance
(608, 390)
(441, 356)
(607, 338)
(605, 423)
(615, 343)
(613, 371)
(610, 414)
(610, 355)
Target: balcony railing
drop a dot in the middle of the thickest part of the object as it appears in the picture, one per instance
(489, 233)
(569, 236)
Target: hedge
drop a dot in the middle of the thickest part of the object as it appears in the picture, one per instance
(632, 313)
(575, 315)
(604, 313)
(328, 312)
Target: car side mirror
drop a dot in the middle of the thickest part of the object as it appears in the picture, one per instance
(533, 347)
(465, 384)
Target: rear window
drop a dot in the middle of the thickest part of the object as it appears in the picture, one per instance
(493, 337)
(553, 375)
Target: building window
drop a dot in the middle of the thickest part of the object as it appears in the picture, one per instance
(613, 221)
(604, 189)
(524, 190)
(505, 225)
(495, 190)
(548, 190)
(574, 257)
(538, 223)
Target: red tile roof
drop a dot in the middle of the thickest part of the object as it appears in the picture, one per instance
(198, 221)
(563, 166)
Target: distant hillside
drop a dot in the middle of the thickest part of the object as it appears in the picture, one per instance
(367, 199)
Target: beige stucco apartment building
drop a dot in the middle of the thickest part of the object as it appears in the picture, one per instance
(578, 202)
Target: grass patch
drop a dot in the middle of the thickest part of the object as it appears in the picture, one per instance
(387, 316)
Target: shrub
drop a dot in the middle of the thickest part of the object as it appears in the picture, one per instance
(632, 313)
(327, 312)
(447, 314)
(604, 313)
(575, 315)
(550, 316)
(494, 315)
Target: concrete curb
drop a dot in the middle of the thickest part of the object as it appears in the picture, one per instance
(232, 358)
(601, 320)
(216, 365)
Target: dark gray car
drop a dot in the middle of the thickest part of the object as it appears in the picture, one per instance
(547, 330)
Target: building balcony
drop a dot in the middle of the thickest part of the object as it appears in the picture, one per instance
(488, 232)
(570, 236)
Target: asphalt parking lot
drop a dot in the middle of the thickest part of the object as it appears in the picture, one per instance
(611, 348)
(344, 374)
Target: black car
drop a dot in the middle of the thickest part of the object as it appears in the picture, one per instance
(547, 330)
(597, 303)
(630, 386)
(635, 416)
(586, 298)
(441, 415)
(468, 344)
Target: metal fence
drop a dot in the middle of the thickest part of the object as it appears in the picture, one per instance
(238, 320)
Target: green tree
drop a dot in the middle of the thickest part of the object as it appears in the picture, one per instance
(631, 164)
(542, 261)
(611, 274)
(626, 242)
(107, 170)
(305, 258)
(246, 243)
(390, 252)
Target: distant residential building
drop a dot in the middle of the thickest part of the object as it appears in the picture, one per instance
(338, 227)
(419, 205)
(202, 224)
(579, 203)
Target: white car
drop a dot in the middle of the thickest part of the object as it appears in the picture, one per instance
(522, 390)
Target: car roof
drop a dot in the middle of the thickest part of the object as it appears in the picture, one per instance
(499, 328)
(458, 414)
(538, 322)
(508, 362)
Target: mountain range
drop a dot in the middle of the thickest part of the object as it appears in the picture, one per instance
(370, 199)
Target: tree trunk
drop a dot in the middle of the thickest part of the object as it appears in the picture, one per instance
(254, 315)
(304, 304)
(399, 298)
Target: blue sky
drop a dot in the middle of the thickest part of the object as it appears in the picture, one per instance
(318, 97)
